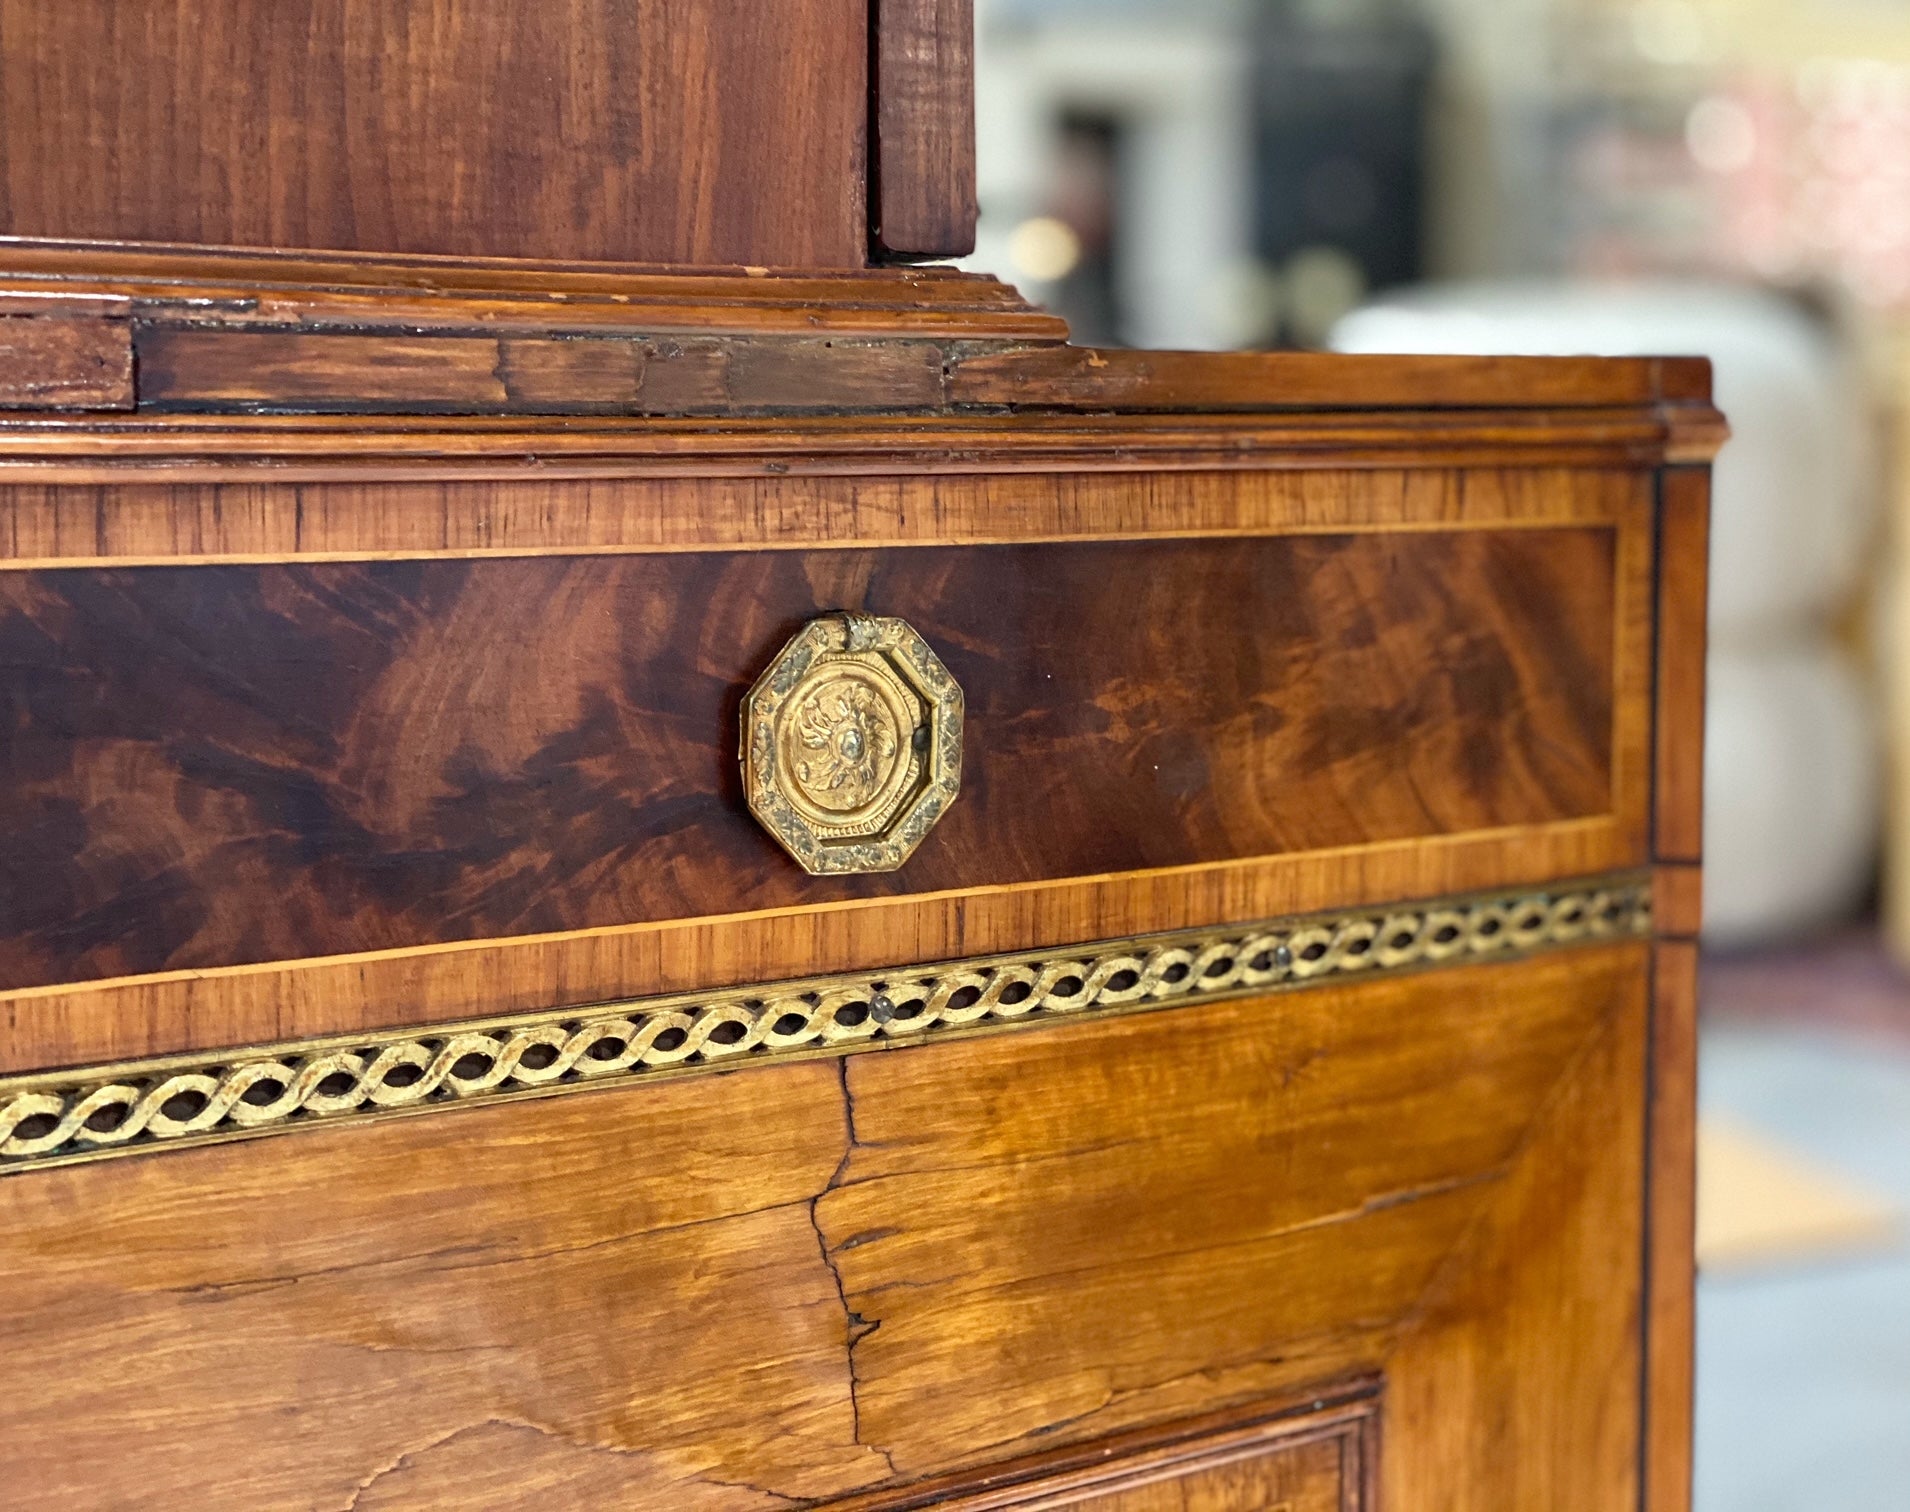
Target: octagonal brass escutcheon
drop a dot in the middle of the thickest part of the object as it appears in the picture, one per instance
(852, 744)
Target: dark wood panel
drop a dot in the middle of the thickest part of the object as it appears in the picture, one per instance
(676, 131)
(193, 368)
(219, 765)
(922, 196)
(791, 1283)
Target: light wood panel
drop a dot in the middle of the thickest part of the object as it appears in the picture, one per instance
(131, 523)
(792, 1282)
(1519, 1381)
(1671, 1218)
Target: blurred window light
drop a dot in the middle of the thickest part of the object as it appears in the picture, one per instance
(1667, 32)
(1044, 249)
(1323, 286)
(1721, 135)
(1246, 303)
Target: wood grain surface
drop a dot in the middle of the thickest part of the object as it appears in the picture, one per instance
(672, 131)
(1306, 1477)
(792, 1283)
(166, 1013)
(1519, 1384)
(192, 368)
(162, 448)
(1672, 1228)
(224, 765)
(133, 522)
(1684, 554)
(1321, 1448)
(53, 362)
(922, 147)
(1068, 377)
(566, 365)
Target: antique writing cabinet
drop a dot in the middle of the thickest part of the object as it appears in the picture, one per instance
(655, 861)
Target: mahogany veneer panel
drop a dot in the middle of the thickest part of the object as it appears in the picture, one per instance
(219, 765)
(802, 1280)
(621, 130)
(923, 200)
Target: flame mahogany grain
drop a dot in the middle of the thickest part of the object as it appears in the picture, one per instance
(220, 765)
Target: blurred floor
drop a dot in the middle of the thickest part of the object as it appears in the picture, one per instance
(1804, 1361)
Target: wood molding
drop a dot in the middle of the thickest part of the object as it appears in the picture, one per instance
(297, 449)
(233, 290)
(1341, 1420)
(61, 361)
(241, 335)
(1070, 377)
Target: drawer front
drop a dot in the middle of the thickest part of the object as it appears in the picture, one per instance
(858, 1275)
(446, 783)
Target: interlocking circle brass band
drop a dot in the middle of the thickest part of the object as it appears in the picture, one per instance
(168, 1102)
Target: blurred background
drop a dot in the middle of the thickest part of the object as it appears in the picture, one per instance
(1726, 177)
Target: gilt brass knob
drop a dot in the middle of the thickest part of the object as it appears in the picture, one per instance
(852, 744)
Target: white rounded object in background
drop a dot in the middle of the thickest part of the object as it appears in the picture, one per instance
(1792, 789)
(1792, 504)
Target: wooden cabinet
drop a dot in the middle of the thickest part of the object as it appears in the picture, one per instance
(688, 888)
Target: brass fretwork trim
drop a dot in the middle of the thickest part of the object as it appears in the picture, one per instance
(169, 1102)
